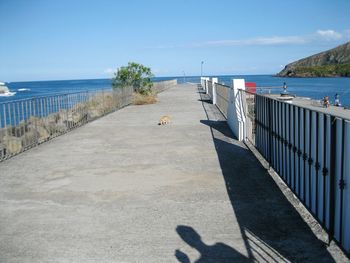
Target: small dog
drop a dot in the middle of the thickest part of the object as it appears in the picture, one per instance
(164, 120)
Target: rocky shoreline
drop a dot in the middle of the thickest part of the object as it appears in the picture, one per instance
(327, 71)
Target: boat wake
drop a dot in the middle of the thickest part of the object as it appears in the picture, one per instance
(23, 89)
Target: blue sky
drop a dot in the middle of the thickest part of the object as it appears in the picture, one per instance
(73, 39)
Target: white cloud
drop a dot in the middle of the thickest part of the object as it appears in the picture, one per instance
(276, 40)
(319, 35)
(329, 34)
(258, 41)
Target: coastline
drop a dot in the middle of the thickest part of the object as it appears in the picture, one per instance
(301, 86)
(309, 76)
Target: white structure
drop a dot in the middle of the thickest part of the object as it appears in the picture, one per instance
(235, 114)
(206, 85)
(3, 88)
(4, 91)
(203, 82)
(214, 98)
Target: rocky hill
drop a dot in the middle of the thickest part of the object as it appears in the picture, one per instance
(331, 63)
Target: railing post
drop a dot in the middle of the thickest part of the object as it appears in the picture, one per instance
(103, 103)
(206, 79)
(66, 104)
(344, 186)
(213, 83)
(269, 121)
(236, 118)
(332, 178)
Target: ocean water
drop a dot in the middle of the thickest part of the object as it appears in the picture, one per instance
(315, 88)
(34, 89)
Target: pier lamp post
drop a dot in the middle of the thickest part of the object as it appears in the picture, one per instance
(202, 68)
(183, 72)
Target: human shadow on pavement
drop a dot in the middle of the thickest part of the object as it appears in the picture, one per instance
(272, 230)
(219, 252)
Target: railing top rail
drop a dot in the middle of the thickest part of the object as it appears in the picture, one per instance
(54, 95)
(269, 87)
(257, 87)
(337, 112)
(223, 85)
(247, 91)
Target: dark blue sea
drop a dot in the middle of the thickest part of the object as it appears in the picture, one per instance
(315, 88)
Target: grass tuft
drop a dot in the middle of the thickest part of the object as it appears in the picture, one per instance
(139, 99)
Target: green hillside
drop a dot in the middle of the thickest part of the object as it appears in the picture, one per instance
(330, 63)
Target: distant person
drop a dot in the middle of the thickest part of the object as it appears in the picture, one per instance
(326, 101)
(337, 100)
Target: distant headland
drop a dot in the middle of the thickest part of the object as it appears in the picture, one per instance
(331, 63)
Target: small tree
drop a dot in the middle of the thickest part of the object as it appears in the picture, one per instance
(135, 75)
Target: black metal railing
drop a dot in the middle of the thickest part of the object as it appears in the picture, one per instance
(309, 149)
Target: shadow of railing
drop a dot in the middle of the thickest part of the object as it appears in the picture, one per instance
(272, 229)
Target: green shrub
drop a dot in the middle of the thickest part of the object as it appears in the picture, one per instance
(134, 75)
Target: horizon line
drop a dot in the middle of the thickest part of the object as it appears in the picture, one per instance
(173, 76)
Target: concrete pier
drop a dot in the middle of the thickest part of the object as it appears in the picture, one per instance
(123, 189)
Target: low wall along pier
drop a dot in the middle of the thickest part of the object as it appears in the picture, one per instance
(163, 85)
(306, 144)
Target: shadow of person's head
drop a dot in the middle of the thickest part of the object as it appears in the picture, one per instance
(218, 252)
(190, 236)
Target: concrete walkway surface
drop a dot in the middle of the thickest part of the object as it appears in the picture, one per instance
(123, 189)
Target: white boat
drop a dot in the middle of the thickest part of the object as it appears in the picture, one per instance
(4, 91)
